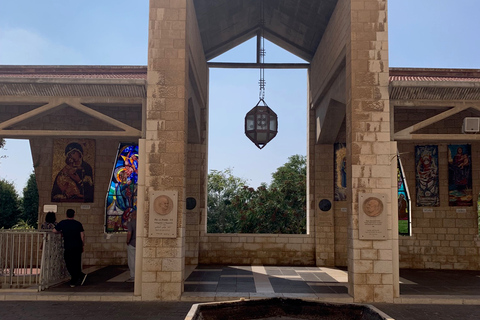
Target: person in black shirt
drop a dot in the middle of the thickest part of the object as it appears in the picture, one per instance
(73, 240)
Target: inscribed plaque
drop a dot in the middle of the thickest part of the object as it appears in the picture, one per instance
(372, 220)
(163, 214)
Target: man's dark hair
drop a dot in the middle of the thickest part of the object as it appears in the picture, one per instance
(70, 213)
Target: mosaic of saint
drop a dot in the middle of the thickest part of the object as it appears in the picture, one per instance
(427, 180)
(121, 200)
(72, 170)
(460, 191)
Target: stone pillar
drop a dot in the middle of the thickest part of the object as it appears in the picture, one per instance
(372, 264)
(166, 145)
(324, 220)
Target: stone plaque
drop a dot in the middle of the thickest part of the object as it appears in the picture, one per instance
(372, 220)
(163, 214)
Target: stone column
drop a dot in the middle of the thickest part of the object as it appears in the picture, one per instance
(372, 264)
(166, 141)
(324, 219)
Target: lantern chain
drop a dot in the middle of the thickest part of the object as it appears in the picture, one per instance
(262, 81)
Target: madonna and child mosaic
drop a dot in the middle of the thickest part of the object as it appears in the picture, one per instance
(73, 170)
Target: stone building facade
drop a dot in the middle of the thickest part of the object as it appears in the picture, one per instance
(354, 98)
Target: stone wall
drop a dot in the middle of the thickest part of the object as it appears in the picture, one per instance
(341, 234)
(442, 238)
(257, 249)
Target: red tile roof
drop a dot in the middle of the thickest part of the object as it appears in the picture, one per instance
(422, 78)
(434, 75)
(140, 72)
(74, 72)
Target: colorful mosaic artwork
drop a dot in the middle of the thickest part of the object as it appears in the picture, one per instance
(73, 170)
(340, 172)
(426, 173)
(460, 191)
(122, 194)
(403, 202)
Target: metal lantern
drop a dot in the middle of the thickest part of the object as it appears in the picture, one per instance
(261, 124)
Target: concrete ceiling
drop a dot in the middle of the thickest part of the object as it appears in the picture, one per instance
(295, 25)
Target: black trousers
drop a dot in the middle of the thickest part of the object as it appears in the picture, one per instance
(73, 260)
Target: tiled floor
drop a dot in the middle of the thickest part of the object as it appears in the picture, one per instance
(108, 279)
(439, 282)
(206, 282)
(425, 294)
(260, 279)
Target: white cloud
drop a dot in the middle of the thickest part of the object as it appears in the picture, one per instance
(24, 47)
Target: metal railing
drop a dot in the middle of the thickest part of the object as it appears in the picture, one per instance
(31, 259)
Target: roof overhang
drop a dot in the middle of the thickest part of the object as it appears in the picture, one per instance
(73, 81)
(434, 84)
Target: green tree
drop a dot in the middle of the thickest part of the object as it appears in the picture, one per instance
(279, 208)
(222, 188)
(294, 171)
(30, 202)
(23, 225)
(2, 146)
(9, 205)
(233, 207)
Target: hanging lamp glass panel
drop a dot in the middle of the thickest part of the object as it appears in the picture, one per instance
(261, 125)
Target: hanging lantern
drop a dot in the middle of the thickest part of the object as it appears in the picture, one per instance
(261, 124)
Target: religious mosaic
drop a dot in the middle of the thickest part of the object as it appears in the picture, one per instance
(73, 170)
(122, 193)
(340, 172)
(426, 174)
(460, 191)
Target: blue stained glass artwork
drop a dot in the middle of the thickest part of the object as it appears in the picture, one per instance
(121, 200)
(404, 218)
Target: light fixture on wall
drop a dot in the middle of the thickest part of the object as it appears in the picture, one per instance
(261, 123)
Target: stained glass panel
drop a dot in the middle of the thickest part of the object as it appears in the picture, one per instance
(121, 199)
(403, 202)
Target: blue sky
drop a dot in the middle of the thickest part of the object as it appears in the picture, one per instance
(425, 33)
